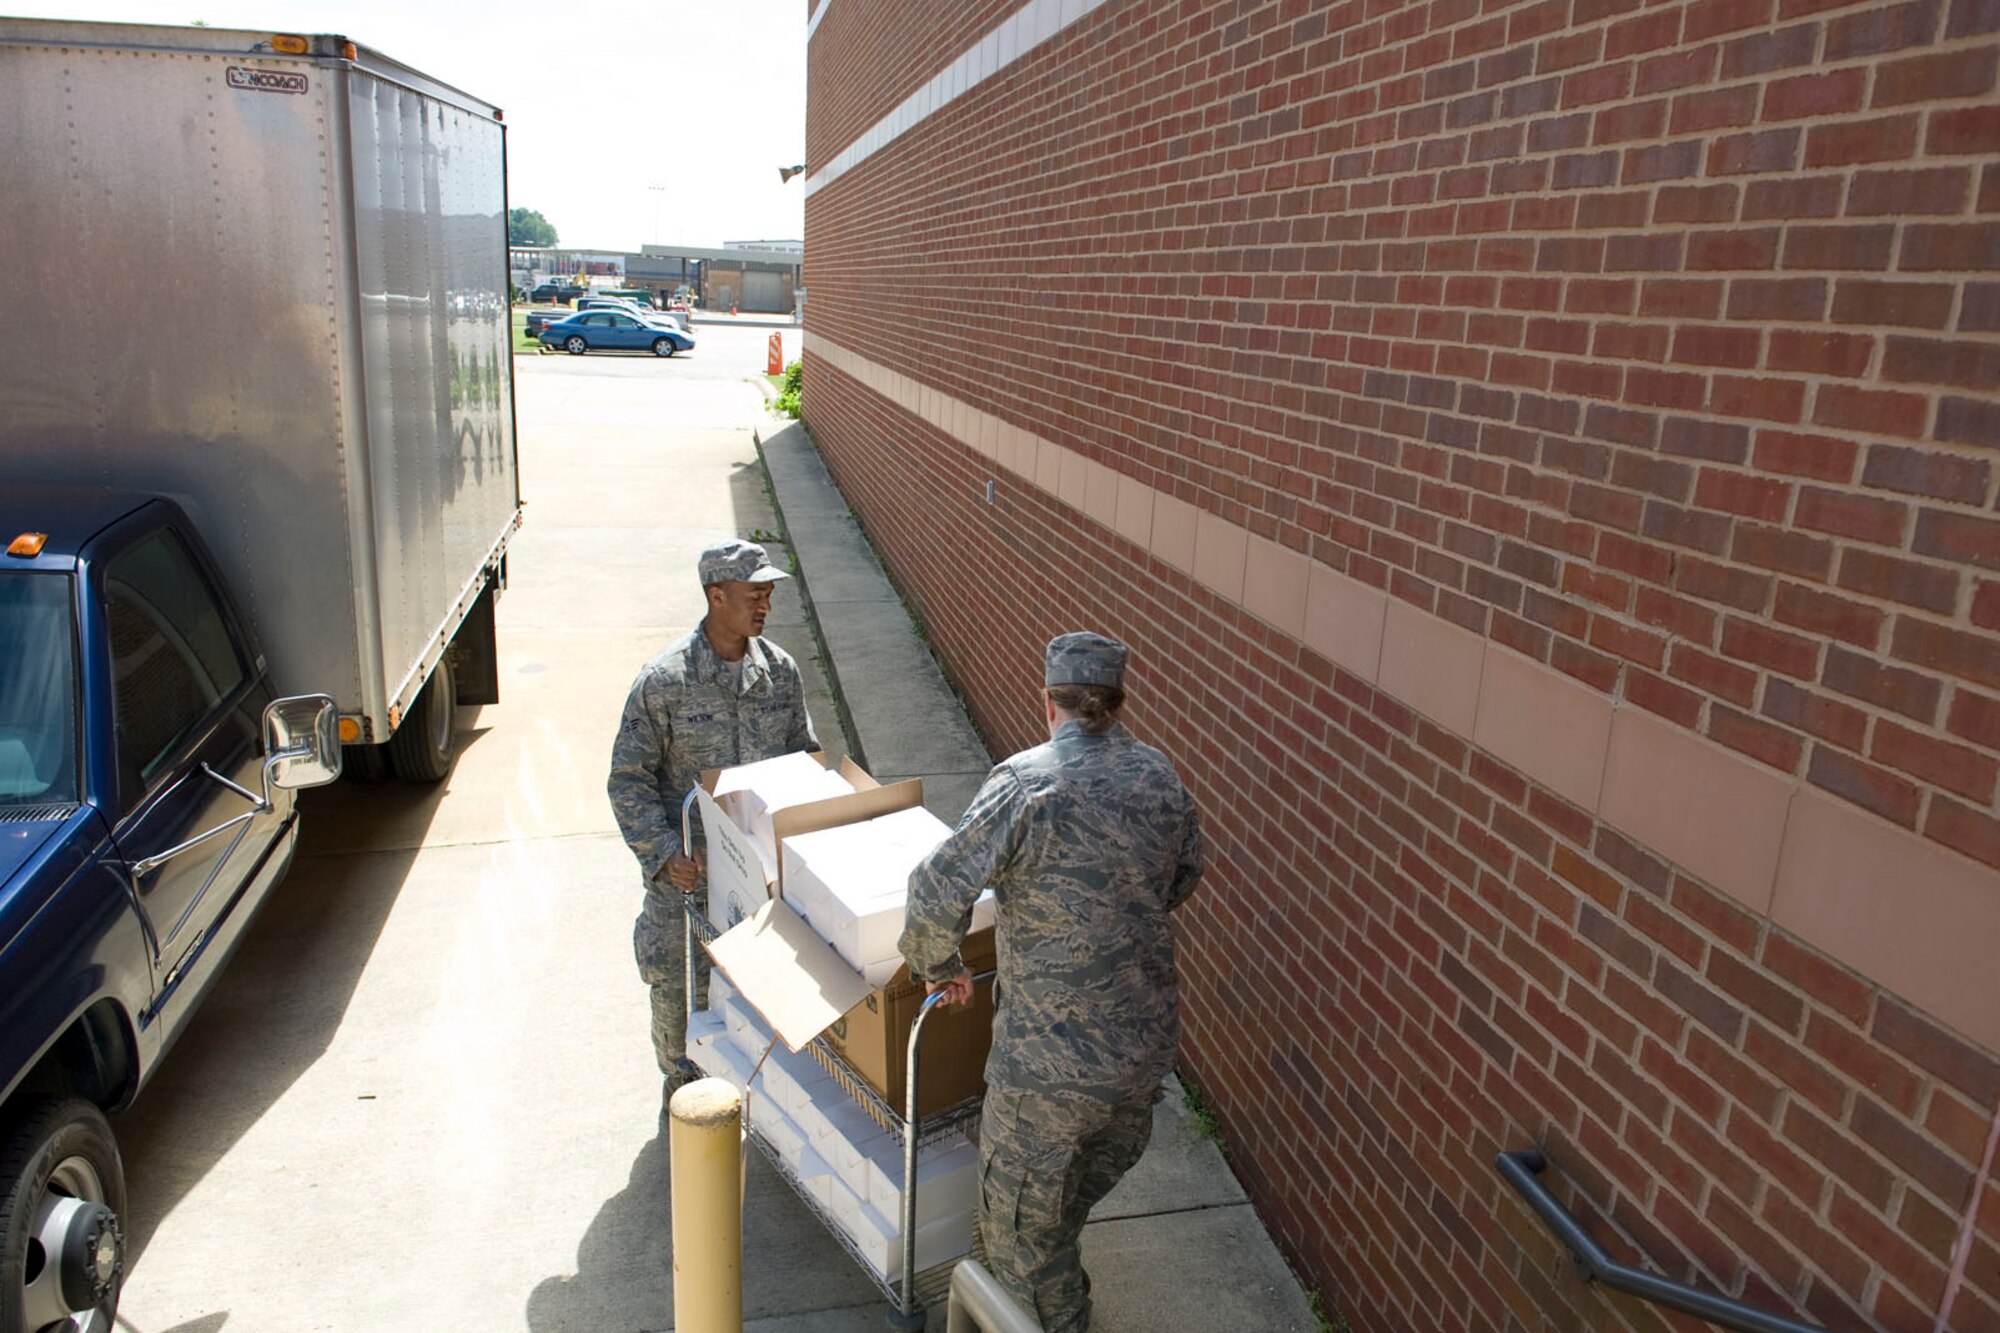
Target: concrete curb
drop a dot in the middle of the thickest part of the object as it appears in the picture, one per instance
(916, 728)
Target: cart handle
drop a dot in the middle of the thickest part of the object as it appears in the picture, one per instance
(910, 1308)
(687, 926)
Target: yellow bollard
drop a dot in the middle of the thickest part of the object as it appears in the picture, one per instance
(705, 1151)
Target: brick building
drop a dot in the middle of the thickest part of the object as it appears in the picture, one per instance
(1543, 457)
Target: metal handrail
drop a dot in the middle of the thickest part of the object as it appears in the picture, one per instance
(979, 1302)
(1595, 1264)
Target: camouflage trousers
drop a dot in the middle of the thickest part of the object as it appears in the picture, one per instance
(659, 942)
(1044, 1162)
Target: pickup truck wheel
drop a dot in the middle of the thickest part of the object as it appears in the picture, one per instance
(421, 749)
(576, 345)
(62, 1248)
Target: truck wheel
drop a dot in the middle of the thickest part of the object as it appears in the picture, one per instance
(62, 1248)
(576, 345)
(365, 763)
(421, 749)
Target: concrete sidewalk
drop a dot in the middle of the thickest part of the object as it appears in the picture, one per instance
(1176, 1245)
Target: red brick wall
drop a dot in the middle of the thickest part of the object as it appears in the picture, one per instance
(1656, 343)
(887, 52)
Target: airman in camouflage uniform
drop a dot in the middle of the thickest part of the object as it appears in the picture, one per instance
(1088, 842)
(720, 696)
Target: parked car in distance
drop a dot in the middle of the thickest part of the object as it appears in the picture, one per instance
(632, 308)
(561, 293)
(678, 318)
(541, 319)
(614, 330)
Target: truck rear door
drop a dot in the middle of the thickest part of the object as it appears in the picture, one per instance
(185, 703)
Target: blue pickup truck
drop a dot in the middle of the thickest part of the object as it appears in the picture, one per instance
(146, 810)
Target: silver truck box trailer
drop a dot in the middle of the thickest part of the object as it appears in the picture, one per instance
(266, 275)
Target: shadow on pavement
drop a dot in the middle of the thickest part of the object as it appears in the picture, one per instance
(275, 1007)
(624, 1265)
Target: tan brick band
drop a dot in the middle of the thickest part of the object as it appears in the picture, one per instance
(1910, 915)
(1028, 27)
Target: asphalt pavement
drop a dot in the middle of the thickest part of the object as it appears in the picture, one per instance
(422, 1095)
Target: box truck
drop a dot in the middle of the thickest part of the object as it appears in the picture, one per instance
(257, 484)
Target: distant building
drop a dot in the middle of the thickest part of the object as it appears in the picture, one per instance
(731, 276)
(530, 265)
(741, 275)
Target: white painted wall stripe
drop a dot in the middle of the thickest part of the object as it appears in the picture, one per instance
(1909, 914)
(1025, 29)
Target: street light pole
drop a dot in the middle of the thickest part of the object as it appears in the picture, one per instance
(656, 190)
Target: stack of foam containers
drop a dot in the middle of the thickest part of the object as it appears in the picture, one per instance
(762, 789)
(849, 1165)
(850, 884)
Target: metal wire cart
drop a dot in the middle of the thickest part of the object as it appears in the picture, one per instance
(913, 1292)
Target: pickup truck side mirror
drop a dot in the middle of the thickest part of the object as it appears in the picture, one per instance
(301, 749)
(301, 742)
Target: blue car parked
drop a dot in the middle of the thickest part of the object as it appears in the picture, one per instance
(614, 330)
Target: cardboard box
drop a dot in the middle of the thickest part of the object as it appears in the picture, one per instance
(705, 1029)
(801, 988)
(739, 882)
(847, 1204)
(880, 1242)
(817, 1175)
(844, 1134)
(873, 1037)
(746, 1031)
(947, 1237)
(770, 1120)
(721, 1059)
(947, 1180)
(797, 1081)
(850, 883)
(751, 795)
(810, 1087)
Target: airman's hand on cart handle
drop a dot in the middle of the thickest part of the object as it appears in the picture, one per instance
(683, 872)
(956, 991)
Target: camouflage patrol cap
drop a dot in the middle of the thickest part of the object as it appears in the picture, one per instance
(1084, 658)
(737, 561)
